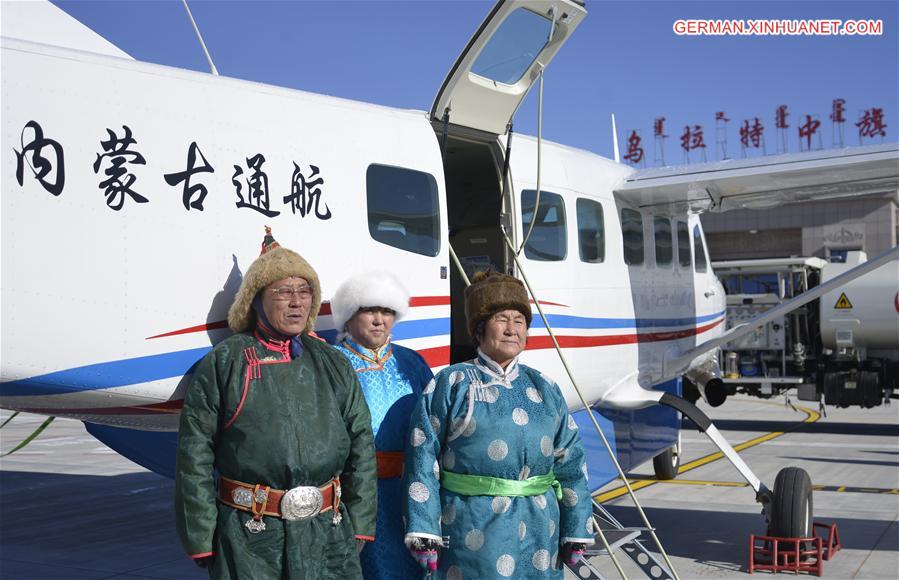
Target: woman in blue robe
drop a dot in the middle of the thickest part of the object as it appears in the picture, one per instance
(495, 471)
(364, 309)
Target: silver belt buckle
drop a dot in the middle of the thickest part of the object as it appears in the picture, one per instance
(302, 502)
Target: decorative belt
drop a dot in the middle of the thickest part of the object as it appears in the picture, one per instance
(464, 484)
(298, 503)
(390, 464)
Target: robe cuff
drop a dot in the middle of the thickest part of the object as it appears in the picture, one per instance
(567, 540)
(366, 538)
(203, 555)
(412, 535)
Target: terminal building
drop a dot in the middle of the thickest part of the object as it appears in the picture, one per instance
(826, 229)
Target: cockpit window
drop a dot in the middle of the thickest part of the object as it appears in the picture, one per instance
(683, 245)
(513, 47)
(699, 250)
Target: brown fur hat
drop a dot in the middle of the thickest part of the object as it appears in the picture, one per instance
(492, 292)
(274, 264)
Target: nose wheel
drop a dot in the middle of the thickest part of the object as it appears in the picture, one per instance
(789, 507)
(791, 513)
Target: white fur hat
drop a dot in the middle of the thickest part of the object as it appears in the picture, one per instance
(367, 290)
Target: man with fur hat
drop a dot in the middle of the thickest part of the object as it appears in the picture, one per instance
(364, 310)
(280, 416)
(495, 470)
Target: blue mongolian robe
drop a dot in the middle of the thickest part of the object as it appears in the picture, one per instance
(478, 419)
(392, 379)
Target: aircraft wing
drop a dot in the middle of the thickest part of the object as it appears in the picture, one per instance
(676, 362)
(764, 182)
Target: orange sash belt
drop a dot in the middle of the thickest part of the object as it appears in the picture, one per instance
(390, 464)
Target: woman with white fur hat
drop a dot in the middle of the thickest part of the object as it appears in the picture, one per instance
(364, 310)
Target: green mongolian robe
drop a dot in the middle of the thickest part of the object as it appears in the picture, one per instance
(255, 415)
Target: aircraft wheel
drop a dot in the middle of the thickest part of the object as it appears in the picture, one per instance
(667, 462)
(791, 508)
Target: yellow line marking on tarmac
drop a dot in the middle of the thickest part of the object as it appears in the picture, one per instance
(702, 482)
(811, 417)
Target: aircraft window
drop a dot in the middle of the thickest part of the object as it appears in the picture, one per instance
(683, 245)
(632, 232)
(513, 47)
(664, 250)
(402, 209)
(701, 264)
(548, 241)
(590, 231)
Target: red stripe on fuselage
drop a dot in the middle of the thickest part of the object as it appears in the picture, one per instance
(542, 342)
(325, 310)
(198, 328)
(173, 406)
(435, 357)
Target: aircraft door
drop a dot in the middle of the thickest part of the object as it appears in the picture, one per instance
(505, 56)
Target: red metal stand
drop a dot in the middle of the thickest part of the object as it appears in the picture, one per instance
(832, 543)
(794, 554)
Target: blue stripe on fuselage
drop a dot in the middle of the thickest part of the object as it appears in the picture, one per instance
(567, 321)
(163, 366)
(106, 375)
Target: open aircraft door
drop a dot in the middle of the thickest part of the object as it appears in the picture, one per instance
(473, 108)
(497, 68)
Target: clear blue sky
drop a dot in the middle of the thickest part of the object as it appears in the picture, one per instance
(624, 58)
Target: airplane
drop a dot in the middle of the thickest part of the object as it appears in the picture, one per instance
(149, 186)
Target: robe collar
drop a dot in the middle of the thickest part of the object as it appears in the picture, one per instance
(375, 357)
(493, 369)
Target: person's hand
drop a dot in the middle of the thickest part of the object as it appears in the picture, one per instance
(571, 553)
(424, 550)
(204, 562)
(360, 543)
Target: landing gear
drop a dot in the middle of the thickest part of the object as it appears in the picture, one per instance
(788, 508)
(791, 513)
(667, 463)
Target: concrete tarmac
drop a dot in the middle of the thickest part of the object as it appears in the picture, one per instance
(705, 516)
(73, 509)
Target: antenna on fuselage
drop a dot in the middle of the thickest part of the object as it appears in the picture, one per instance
(615, 140)
(212, 68)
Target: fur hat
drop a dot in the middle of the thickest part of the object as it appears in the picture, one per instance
(365, 291)
(273, 264)
(492, 292)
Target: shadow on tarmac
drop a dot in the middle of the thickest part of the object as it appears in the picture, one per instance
(823, 426)
(86, 526)
(122, 527)
(697, 535)
(841, 460)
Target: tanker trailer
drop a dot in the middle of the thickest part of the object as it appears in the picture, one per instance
(859, 331)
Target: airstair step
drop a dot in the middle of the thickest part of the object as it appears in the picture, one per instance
(616, 537)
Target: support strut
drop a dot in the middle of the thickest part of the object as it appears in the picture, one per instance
(704, 424)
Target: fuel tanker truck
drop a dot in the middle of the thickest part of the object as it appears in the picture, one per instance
(859, 333)
(841, 349)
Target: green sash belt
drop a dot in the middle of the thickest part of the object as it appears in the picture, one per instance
(482, 485)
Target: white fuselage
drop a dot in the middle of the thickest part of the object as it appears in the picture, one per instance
(105, 310)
